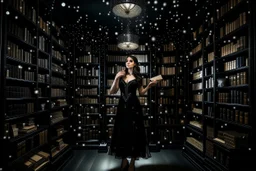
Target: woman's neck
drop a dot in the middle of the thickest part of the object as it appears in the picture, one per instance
(130, 72)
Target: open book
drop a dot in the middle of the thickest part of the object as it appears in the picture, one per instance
(157, 78)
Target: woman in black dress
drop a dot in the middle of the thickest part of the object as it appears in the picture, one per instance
(129, 137)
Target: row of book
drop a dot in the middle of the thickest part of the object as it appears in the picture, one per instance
(169, 47)
(234, 115)
(18, 72)
(143, 100)
(197, 86)
(87, 72)
(168, 82)
(166, 60)
(85, 120)
(197, 75)
(60, 102)
(87, 59)
(166, 70)
(210, 56)
(167, 92)
(86, 100)
(234, 139)
(196, 49)
(17, 52)
(17, 92)
(112, 100)
(89, 134)
(233, 47)
(234, 96)
(119, 58)
(239, 62)
(43, 63)
(43, 44)
(165, 110)
(20, 109)
(24, 146)
(196, 143)
(229, 5)
(85, 110)
(57, 92)
(231, 26)
(25, 9)
(22, 32)
(166, 120)
(208, 71)
(166, 101)
(111, 110)
(89, 91)
(209, 96)
(198, 62)
(209, 111)
(197, 97)
(58, 147)
(90, 81)
(43, 78)
(37, 160)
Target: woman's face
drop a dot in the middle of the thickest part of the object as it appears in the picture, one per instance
(129, 63)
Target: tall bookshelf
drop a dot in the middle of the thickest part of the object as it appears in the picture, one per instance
(219, 129)
(34, 81)
(114, 62)
(169, 97)
(87, 97)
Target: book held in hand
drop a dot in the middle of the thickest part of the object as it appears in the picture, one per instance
(157, 78)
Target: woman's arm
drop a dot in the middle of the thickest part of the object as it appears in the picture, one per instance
(142, 90)
(115, 85)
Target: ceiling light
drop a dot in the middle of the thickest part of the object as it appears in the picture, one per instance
(127, 8)
(128, 40)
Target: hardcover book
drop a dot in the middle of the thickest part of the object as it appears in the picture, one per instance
(157, 78)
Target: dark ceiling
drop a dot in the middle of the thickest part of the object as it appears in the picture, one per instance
(93, 20)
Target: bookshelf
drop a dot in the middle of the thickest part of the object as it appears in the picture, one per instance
(169, 95)
(221, 67)
(34, 79)
(87, 97)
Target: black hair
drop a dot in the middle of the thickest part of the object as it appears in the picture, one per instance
(136, 70)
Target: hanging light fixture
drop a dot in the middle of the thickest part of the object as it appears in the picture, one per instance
(128, 40)
(127, 8)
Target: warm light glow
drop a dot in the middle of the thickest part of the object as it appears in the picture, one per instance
(128, 45)
(127, 10)
(127, 7)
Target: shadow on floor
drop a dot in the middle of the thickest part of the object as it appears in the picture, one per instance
(158, 168)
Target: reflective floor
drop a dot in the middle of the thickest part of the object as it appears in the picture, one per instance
(91, 160)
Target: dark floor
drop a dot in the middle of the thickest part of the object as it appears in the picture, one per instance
(91, 160)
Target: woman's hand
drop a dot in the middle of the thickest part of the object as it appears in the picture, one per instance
(120, 74)
(152, 83)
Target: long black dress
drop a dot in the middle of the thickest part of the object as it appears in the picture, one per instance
(129, 138)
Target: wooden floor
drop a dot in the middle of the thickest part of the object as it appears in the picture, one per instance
(91, 160)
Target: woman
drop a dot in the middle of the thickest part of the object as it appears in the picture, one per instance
(129, 137)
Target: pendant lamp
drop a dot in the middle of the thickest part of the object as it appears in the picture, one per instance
(127, 8)
(128, 40)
